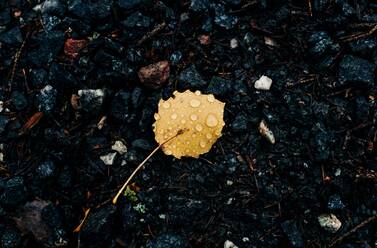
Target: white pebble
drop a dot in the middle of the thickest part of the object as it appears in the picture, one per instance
(338, 172)
(233, 43)
(245, 239)
(263, 83)
(229, 244)
(329, 222)
(266, 132)
(229, 182)
(119, 147)
(108, 159)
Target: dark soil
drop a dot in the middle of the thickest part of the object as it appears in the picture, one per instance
(70, 89)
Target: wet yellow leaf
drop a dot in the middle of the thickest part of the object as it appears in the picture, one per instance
(200, 116)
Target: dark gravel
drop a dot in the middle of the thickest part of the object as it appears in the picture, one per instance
(77, 75)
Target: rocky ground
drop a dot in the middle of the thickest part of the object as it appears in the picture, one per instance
(80, 82)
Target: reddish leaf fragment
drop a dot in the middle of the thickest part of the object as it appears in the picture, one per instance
(31, 123)
(72, 47)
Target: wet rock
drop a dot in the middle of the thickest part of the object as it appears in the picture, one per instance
(72, 47)
(294, 235)
(224, 19)
(4, 17)
(364, 46)
(175, 57)
(321, 43)
(60, 78)
(11, 238)
(182, 209)
(346, 8)
(46, 169)
(155, 75)
(207, 25)
(12, 37)
(120, 106)
(14, 192)
(137, 20)
(18, 100)
(53, 7)
(199, 5)
(37, 77)
(190, 78)
(362, 108)
(321, 142)
(219, 86)
(51, 23)
(91, 100)
(4, 120)
(80, 9)
(357, 71)
(97, 230)
(137, 97)
(130, 219)
(142, 144)
(240, 123)
(46, 98)
(329, 222)
(335, 203)
(168, 241)
(48, 45)
(129, 4)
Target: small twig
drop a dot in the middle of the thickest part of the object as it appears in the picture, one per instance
(115, 199)
(310, 9)
(359, 36)
(16, 58)
(152, 33)
(362, 224)
(79, 227)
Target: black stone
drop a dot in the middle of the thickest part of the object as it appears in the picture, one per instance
(96, 232)
(46, 99)
(11, 238)
(46, 169)
(129, 4)
(199, 5)
(91, 100)
(293, 233)
(14, 192)
(190, 78)
(356, 71)
(321, 142)
(364, 46)
(168, 241)
(120, 106)
(137, 19)
(4, 120)
(335, 203)
(321, 43)
(224, 19)
(240, 123)
(18, 100)
(142, 144)
(12, 37)
(219, 86)
(53, 7)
